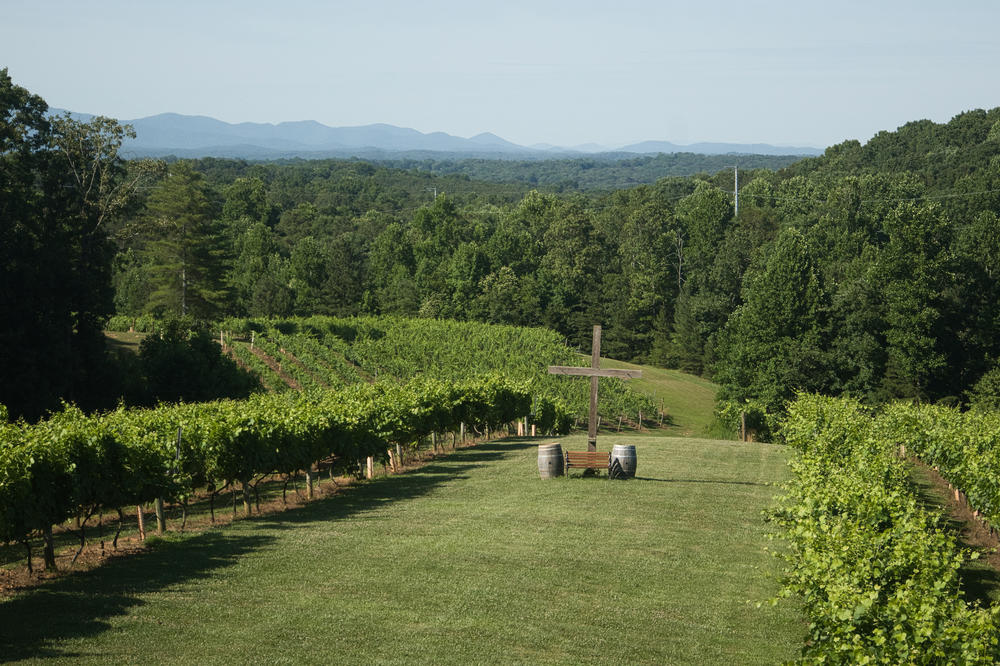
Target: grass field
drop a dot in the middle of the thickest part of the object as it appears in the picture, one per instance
(468, 559)
(688, 400)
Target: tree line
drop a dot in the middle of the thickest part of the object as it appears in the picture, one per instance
(600, 171)
(854, 273)
(868, 271)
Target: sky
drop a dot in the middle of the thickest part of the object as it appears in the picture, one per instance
(793, 73)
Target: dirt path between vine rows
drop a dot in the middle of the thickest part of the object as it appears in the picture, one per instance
(972, 531)
(276, 366)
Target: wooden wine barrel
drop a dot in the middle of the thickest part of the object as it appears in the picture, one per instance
(550, 460)
(625, 455)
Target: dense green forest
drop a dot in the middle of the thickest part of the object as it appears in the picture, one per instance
(603, 171)
(868, 271)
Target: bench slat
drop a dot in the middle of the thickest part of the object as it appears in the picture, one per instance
(588, 459)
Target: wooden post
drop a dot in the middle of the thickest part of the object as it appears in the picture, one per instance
(370, 467)
(309, 482)
(462, 429)
(49, 551)
(253, 335)
(142, 522)
(161, 519)
(743, 426)
(532, 429)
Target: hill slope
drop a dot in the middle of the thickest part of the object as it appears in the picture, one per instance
(688, 400)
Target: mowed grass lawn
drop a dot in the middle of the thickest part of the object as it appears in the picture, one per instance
(469, 559)
(688, 400)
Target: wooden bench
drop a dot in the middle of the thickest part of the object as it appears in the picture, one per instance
(588, 460)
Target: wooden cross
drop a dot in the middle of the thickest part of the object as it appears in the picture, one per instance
(594, 371)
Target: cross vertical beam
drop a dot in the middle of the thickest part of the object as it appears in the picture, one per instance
(595, 363)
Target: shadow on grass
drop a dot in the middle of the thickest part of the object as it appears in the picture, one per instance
(370, 496)
(364, 497)
(712, 481)
(488, 451)
(81, 605)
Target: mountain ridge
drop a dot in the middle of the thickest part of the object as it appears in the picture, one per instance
(171, 133)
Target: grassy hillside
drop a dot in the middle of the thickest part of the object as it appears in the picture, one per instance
(469, 559)
(688, 400)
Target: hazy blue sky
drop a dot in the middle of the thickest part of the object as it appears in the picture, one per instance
(789, 72)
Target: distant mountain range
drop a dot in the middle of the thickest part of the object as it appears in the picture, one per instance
(201, 136)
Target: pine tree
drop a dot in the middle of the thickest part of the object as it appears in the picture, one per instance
(186, 255)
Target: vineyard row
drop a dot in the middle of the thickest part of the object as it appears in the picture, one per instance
(78, 465)
(878, 573)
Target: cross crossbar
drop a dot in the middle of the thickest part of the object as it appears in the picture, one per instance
(594, 372)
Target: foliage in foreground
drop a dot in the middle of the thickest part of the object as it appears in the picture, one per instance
(877, 572)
